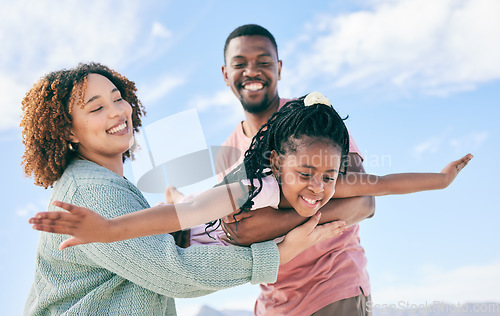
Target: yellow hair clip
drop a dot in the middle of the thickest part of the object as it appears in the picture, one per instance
(316, 98)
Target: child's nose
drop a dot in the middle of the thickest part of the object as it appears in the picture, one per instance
(316, 185)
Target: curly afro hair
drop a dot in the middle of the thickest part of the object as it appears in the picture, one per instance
(47, 120)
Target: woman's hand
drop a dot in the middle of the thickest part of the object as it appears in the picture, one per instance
(84, 225)
(307, 235)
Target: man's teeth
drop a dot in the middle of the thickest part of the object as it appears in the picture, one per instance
(254, 86)
(310, 201)
(117, 129)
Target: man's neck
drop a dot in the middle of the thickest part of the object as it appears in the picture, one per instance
(254, 121)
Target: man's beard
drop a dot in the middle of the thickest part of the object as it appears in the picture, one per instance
(255, 108)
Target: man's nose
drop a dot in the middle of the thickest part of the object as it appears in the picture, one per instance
(251, 70)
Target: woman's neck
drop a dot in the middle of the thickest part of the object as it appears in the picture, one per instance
(114, 164)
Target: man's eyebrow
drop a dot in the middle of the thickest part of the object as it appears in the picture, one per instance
(260, 55)
(313, 167)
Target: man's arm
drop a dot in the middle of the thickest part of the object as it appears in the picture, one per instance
(256, 226)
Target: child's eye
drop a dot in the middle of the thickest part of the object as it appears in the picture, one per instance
(328, 179)
(305, 175)
(119, 99)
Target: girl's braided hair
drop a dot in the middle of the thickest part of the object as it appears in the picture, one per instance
(293, 121)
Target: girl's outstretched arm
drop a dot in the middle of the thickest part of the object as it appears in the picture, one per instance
(88, 226)
(357, 184)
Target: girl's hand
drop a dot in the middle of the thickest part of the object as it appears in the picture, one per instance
(84, 225)
(307, 235)
(453, 168)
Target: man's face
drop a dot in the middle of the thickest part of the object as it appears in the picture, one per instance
(252, 71)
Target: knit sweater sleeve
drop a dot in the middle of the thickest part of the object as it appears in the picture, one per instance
(155, 263)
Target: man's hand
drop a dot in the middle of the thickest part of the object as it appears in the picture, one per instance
(261, 225)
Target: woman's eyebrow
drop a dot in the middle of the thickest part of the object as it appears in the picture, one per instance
(95, 97)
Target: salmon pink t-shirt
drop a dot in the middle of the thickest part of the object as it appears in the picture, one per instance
(330, 271)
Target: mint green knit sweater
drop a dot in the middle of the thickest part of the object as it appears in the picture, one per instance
(137, 276)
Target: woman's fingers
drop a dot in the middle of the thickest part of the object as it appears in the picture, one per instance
(70, 242)
(309, 226)
(331, 229)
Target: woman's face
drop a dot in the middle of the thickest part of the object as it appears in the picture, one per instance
(308, 175)
(102, 129)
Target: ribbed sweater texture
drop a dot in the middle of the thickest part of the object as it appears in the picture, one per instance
(139, 276)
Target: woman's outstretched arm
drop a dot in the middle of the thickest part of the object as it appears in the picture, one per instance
(88, 226)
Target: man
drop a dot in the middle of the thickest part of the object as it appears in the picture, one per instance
(330, 278)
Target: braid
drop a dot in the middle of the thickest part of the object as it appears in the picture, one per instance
(291, 122)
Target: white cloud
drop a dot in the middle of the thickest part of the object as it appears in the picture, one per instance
(39, 36)
(154, 91)
(469, 142)
(460, 144)
(31, 208)
(434, 47)
(159, 30)
(12, 92)
(472, 283)
(223, 101)
(431, 145)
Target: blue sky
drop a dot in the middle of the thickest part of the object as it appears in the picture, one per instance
(418, 79)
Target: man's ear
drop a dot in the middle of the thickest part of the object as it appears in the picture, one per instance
(280, 64)
(275, 162)
(224, 74)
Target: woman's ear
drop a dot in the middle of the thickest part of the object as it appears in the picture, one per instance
(71, 137)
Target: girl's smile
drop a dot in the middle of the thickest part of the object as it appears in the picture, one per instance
(307, 175)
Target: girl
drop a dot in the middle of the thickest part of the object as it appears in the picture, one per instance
(78, 127)
(294, 161)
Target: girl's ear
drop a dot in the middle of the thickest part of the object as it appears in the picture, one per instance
(275, 162)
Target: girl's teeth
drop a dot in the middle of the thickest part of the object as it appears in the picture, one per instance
(310, 201)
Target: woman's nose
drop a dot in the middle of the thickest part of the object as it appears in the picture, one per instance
(116, 109)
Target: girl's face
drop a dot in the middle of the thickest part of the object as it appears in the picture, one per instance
(103, 127)
(308, 175)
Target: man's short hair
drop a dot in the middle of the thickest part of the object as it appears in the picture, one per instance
(250, 30)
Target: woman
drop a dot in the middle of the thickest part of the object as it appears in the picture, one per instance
(78, 127)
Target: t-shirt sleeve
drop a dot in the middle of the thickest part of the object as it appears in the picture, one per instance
(353, 147)
(156, 263)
